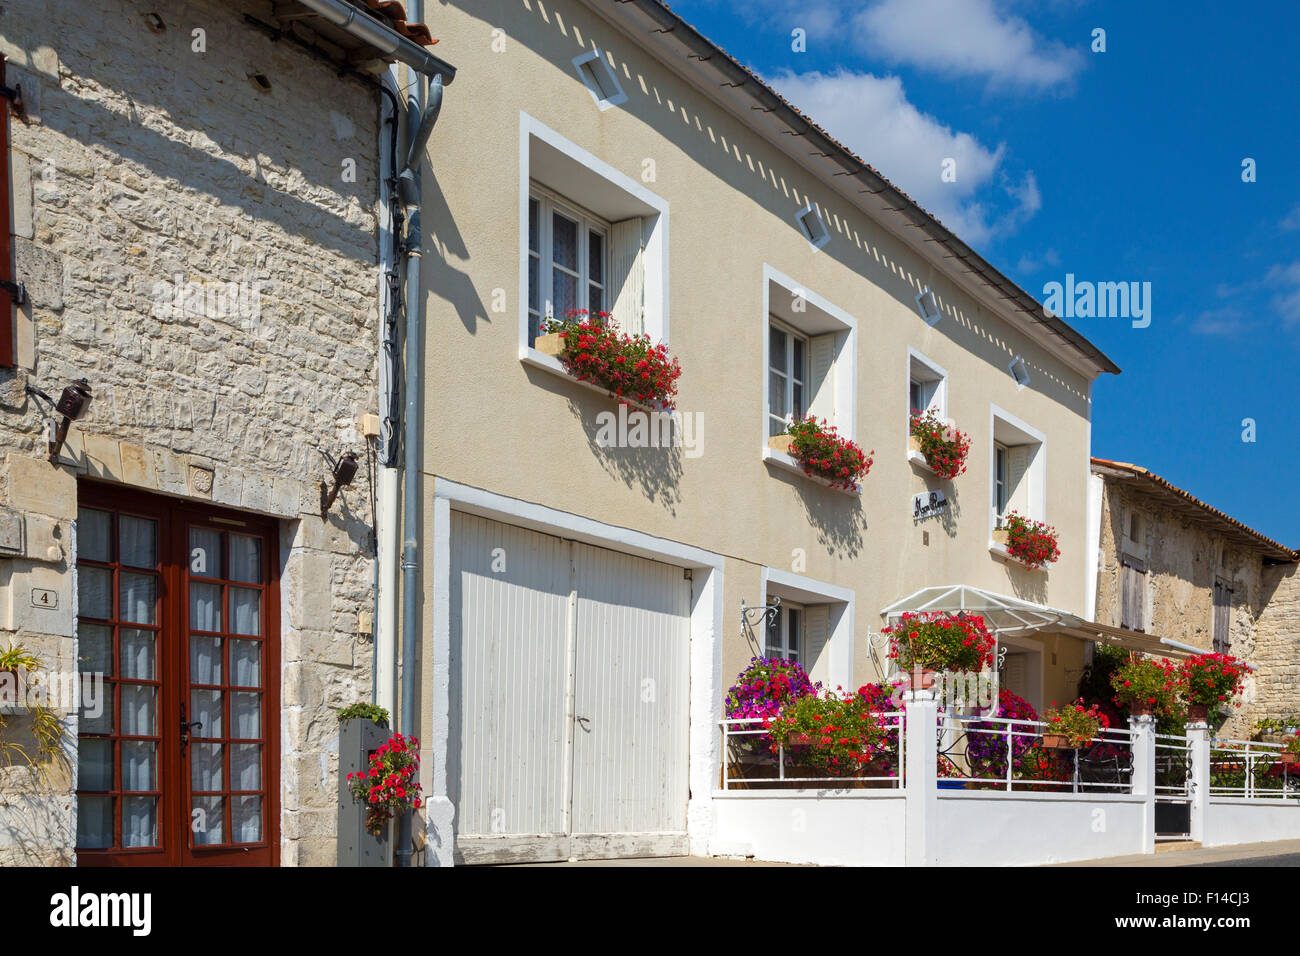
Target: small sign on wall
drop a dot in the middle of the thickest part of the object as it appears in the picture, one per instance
(45, 598)
(928, 504)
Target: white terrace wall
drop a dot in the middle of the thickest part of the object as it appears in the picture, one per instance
(146, 159)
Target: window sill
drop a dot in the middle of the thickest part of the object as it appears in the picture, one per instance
(999, 550)
(917, 459)
(535, 359)
(779, 459)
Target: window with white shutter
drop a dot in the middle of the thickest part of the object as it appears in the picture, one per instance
(1017, 469)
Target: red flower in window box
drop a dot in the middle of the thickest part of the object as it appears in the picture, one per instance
(593, 350)
(1030, 542)
(943, 446)
(824, 453)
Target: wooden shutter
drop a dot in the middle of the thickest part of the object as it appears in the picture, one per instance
(627, 275)
(1222, 617)
(1018, 459)
(816, 637)
(821, 376)
(6, 252)
(1133, 593)
(1016, 675)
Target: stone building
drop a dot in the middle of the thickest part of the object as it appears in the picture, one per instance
(195, 221)
(1172, 566)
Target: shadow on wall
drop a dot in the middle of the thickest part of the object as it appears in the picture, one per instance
(449, 283)
(1026, 584)
(878, 257)
(835, 517)
(946, 519)
(653, 470)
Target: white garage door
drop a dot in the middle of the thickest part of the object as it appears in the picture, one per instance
(570, 686)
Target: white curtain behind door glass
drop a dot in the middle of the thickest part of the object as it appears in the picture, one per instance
(245, 715)
(137, 710)
(245, 611)
(139, 821)
(137, 594)
(139, 764)
(246, 819)
(95, 592)
(137, 654)
(205, 607)
(95, 764)
(138, 544)
(205, 660)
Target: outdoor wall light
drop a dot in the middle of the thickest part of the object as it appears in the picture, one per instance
(342, 471)
(72, 404)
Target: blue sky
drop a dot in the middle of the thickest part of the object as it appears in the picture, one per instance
(1117, 166)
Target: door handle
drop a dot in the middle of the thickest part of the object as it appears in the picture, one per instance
(185, 729)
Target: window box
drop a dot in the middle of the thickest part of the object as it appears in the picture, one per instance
(949, 447)
(589, 349)
(821, 442)
(1035, 544)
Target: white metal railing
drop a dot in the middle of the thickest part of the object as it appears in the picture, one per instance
(1249, 768)
(749, 762)
(1002, 753)
(1173, 770)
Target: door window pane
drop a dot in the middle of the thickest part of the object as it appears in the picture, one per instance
(245, 715)
(205, 660)
(94, 649)
(94, 535)
(245, 663)
(205, 766)
(137, 654)
(140, 821)
(245, 611)
(97, 716)
(205, 553)
(95, 765)
(138, 705)
(208, 822)
(137, 596)
(94, 822)
(246, 819)
(205, 607)
(139, 765)
(95, 593)
(139, 544)
(245, 559)
(246, 766)
(205, 707)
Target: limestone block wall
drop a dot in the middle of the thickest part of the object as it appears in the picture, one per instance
(1277, 644)
(202, 245)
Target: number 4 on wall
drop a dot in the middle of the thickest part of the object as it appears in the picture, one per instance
(45, 598)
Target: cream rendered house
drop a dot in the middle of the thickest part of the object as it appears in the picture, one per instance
(582, 603)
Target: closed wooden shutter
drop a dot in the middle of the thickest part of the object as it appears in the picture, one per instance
(1018, 459)
(6, 264)
(816, 637)
(1133, 593)
(627, 275)
(1222, 617)
(821, 376)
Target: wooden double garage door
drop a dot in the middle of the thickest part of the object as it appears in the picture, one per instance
(570, 688)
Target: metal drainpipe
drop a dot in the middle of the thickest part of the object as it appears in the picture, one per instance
(412, 446)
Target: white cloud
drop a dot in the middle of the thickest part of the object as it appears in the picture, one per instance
(1286, 279)
(872, 116)
(966, 38)
(1291, 221)
(1029, 263)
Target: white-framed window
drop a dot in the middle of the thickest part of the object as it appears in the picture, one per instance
(590, 237)
(787, 374)
(1017, 468)
(599, 78)
(567, 259)
(927, 385)
(785, 632)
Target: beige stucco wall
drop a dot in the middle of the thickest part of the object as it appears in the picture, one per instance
(145, 159)
(493, 423)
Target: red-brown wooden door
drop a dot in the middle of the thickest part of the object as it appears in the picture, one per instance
(178, 608)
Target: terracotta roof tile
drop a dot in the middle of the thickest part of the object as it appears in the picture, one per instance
(395, 15)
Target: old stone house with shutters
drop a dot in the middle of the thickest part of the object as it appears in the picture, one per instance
(193, 226)
(1175, 568)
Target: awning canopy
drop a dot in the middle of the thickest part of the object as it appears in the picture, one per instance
(1010, 615)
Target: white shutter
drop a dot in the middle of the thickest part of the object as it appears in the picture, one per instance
(627, 275)
(1016, 678)
(821, 376)
(816, 637)
(1018, 459)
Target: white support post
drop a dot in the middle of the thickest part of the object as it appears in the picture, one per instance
(1198, 776)
(921, 789)
(1144, 773)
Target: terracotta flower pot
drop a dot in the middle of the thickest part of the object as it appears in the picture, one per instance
(1057, 742)
(1198, 711)
(1288, 758)
(918, 680)
(1141, 710)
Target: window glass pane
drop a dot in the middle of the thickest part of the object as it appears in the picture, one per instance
(245, 559)
(914, 397)
(246, 819)
(796, 404)
(246, 766)
(564, 242)
(94, 649)
(94, 823)
(205, 553)
(205, 660)
(94, 535)
(208, 823)
(94, 764)
(532, 225)
(534, 293)
(794, 627)
(798, 368)
(246, 663)
(206, 763)
(776, 349)
(139, 545)
(205, 707)
(245, 611)
(564, 292)
(140, 821)
(97, 715)
(775, 426)
(595, 257)
(205, 607)
(774, 635)
(595, 299)
(137, 597)
(95, 593)
(776, 394)
(139, 717)
(139, 765)
(137, 649)
(245, 715)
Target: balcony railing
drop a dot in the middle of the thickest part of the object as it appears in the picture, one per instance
(752, 760)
